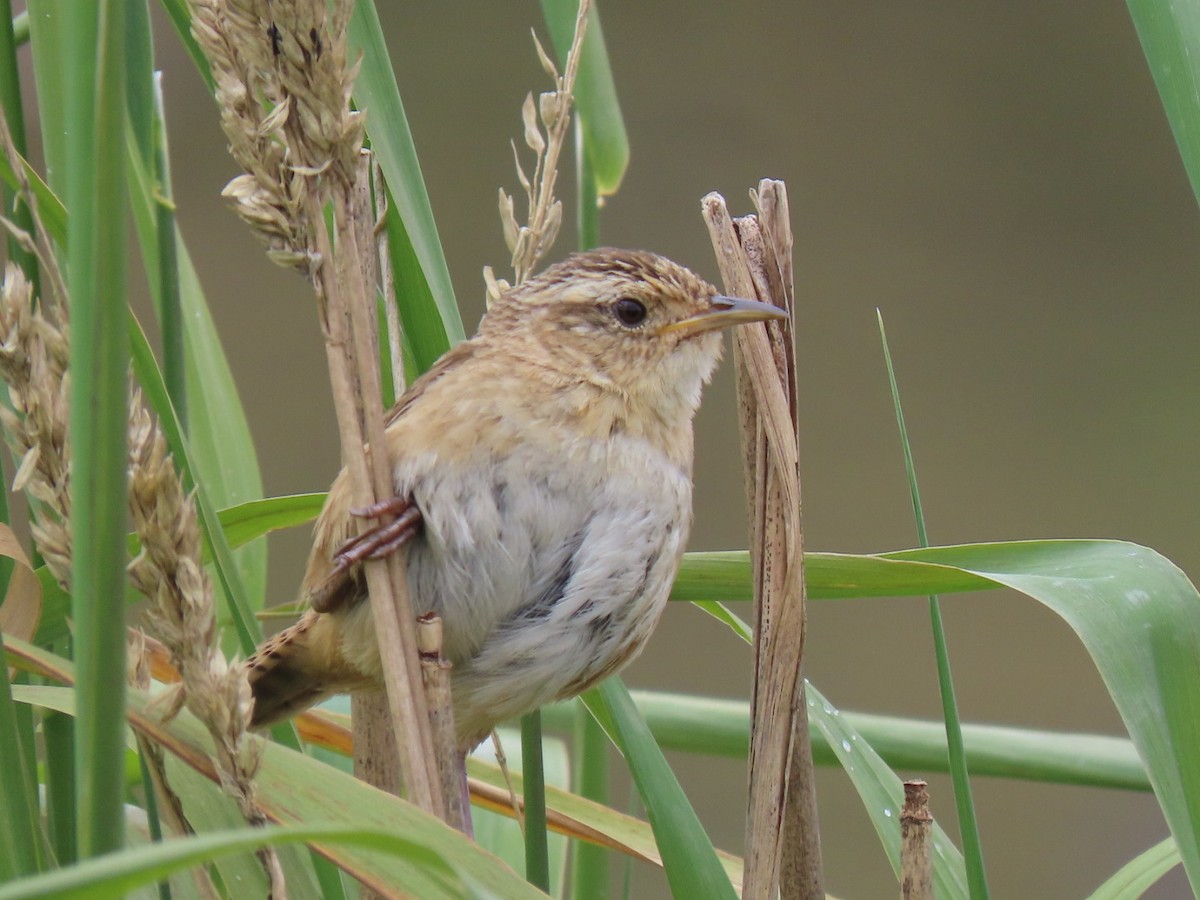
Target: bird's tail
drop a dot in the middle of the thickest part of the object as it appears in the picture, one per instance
(298, 667)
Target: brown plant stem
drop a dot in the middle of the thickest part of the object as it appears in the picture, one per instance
(435, 674)
(782, 840)
(347, 318)
(916, 843)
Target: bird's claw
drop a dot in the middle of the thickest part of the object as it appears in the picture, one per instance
(382, 539)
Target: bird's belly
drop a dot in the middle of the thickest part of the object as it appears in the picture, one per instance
(546, 579)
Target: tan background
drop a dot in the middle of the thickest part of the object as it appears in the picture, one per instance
(999, 179)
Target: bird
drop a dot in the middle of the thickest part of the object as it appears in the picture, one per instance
(543, 494)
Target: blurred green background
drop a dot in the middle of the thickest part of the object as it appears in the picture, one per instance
(998, 178)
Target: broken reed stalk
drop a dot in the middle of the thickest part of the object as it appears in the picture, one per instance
(783, 850)
(916, 843)
(435, 674)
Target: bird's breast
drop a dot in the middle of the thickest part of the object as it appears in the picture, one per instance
(549, 563)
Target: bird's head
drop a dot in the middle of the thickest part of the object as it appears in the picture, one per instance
(627, 322)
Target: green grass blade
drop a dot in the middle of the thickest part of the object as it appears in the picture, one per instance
(1140, 874)
(14, 115)
(427, 331)
(58, 734)
(1170, 36)
(689, 860)
(170, 302)
(590, 774)
(537, 845)
(20, 829)
(54, 216)
(719, 727)
(181, 18)
(596, 101)
(247, 521)
(376, 91)
(95, 158)
(725, 576)
(964, 801)
(51, 49)
(116, 875)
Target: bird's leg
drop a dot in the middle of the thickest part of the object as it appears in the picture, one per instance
(465, 795)
(384, 538)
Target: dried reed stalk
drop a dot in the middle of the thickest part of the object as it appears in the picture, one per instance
(782, 841)
(283, 83)
(916, 843)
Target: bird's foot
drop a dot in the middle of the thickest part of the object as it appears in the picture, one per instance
(383, 538)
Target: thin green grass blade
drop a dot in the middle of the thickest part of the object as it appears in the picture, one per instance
(181, 18)
(20, 27)
(58, 736)
(54, 216)
(500, 834)
(596, 102)
(247, 521)
(426, 332)
(14, 115)
(537, 845)
(1140, 874)
(968, 823)
(94, 37)
(1170, 36)
(590, 878)
(170, 303)
(20, 828)
(376, 91)
(689, 859)
(153, 823)
(51, 48)
(589, 863)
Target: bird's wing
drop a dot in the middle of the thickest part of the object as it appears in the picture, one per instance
(326, 585)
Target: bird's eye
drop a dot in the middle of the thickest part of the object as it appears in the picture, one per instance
(630, 312)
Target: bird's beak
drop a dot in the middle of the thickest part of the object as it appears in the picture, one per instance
(724, 312)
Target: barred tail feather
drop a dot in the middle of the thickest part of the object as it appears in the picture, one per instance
(300, 666)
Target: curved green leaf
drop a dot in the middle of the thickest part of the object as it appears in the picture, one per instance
(1139, 618)
(1170, 36)
(1141, 873)
(596, 102)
